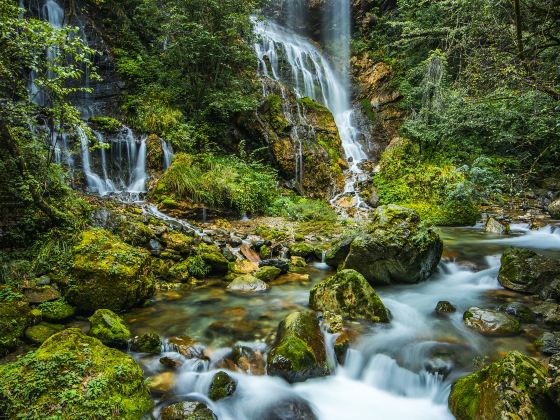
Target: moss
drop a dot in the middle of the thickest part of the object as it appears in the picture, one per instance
(57, 310)
(106, 124)
(146, 343)
(294, 354)
(73, 376)
(109, 328)
(194, 266)
(39, 333)
(179, 242)
(107, 273)
(222, 386)
(15, 316)
(213, 257)
(301, 249)
(268, 273)
(271, 234)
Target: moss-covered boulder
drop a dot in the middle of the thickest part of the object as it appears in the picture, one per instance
(187, 410)
(298, 352)
(40, 294)
(213, 257)
(397, 247)
(348, 294)
(39, 333)
(57, 310)
(268, 273)
(146, 343)
(109, 328)
(73, 376)
(301, 249)
(222, 386)
(247, 284)
(179, 242)
(523, 270)
(108, 274)
(491, 323)
(15, 317)
(512, 388)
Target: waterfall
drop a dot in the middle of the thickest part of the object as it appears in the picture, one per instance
(94, 182)
(287, 57)
(167, 154)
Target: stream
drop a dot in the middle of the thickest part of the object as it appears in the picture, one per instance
(400, 370)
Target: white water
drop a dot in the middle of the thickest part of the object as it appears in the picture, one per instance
(547, 238)
(167, 154)
(287, 57)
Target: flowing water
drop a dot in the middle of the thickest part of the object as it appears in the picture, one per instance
(401, 370)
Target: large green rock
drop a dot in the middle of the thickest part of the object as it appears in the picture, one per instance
(397, 247)
(301, 249)
(109, 328)
(108, 274)
(349, 294)
(268, 273)
(39, 333)
(298, 352)
(15, 317)
(57, 310)
(523, 270)
(512, 388)
(73, 376)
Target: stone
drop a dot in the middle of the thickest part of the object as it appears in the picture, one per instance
(222, 386)
(187, 410)
(445, 307)
(491, 323)
(268, 273)
(347, 293)
(109, 328)
(519, 310)
(162, 383)
(170, 362)
(298, 352)
(102, 381)
(512, 388)
(15, 317)
(108, 274)
(548, 311)
(549, 343)
(213, 257)
(523, 270)
(187, 347)
(397, 247)
(301, 249)
(178, 242)
(297, 262)
(497, 227)
(57, 310)
(247, 284)
(289, 409)
(39, 333)
(282, 264)
(41, 294)
(243, 267)
(554, 209)
(146, 343)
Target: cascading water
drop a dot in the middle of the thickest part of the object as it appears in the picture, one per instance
(287, 57)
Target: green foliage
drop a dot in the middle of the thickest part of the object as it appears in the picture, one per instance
(218, 182)
(106, 124)
(302, 209)
(197, 267)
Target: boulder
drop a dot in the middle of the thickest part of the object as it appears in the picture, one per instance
(243, 267)
(268, 273)
(549, 312)
(519, 310)
(109, 328)
(397, 247)
(39, 333)
(146, 343)
(554, 209)
(444, 307)
(549, 343)
(162, 383)
(15, 317)
(491, 323)
(282, 264)
(301, 249)
(247, 284)
(178, 242)
(213, 257)
(57, 310)
(347, 293)
(187, 410)
(73, 376)
(298, 352)
(40, 294)
(495, 226)
(294, 408)
(222, 386)
(108, 274)
(512, 388)
(523, 270)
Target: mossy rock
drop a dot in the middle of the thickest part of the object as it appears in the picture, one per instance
(73, 376)
(187, 410)
(109, 328)
(108, 274)
(298, 352)
(179, 242)
(301, 249)
(40, 294)
(107, 125)
(15, 317)
(397, 247)
(57, 310)
(243, 267)
(523, 270)
(348, 294)
(39, 333)
(146, 343)
(268, 273)
(491, 323)
(222, 386)
(213, 257)
(512, 388)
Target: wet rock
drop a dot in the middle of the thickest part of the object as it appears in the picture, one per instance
(548, 311)
(301, 249)
(100, 380)
(289, 409)
(396, 248)
(187, 347)
(519, 310)
(512, 388)
(554, 381)
(109, 328)
(247, 284)
(146, 343)
(268, 273)
(280, 263)
(349, 294)
(495, 226)
(441, 366)
(212, 256)
(43, 281)
(39, 333)
(187, 410)
(297, 262)
(162, 383)
(170, 362)
(154, 247)
(15, 316)
(41, 294)
(108, 274)
(235, 241)
(222, 386)
(554, 209)
(248, 360)
(298, 352)
(549, 343)
(243, 267)
(444, 307)
(178, 242)
(491, 323)
(290, 278)
(229, 255)
(523, 270)
(237, 330)
(57, 310)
